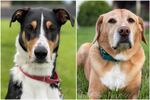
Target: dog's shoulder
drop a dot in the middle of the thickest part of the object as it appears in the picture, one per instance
(14, 88)
(16, 74)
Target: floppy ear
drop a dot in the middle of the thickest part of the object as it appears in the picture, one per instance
(62, 16)
(142, 29)
(19, 15)
(97, 29)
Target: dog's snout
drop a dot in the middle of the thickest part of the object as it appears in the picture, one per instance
(124, 31)
(40, 52)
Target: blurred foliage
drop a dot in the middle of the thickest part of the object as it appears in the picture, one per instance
(131, 5)
(145, 12)
(38, 2)
(90, 11)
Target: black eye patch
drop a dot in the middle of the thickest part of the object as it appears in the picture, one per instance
(51, 33)
(130, 20)
(112, 21)
(51, 28)
(30, 32)
(29, 27)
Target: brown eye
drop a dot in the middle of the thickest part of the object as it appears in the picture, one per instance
(52, 27)
(112, 21)
(131, 20)
(30, 27)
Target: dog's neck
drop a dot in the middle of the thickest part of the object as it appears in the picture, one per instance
(22, 60)
(121, 56)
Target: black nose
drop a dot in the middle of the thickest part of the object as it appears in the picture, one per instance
(40, 52)
(124, 31)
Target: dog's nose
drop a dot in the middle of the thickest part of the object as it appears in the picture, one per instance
(124, 31)
(40, 52)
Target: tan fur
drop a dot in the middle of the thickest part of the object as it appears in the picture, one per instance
(95, 66)
(34, 24)
(24, 38)
(53, 44)
(19, 13)
(48, 24)
(95, 86)
(30, 45)
(83, 53)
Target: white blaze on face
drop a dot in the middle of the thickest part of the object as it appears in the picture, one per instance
(115, 39)
(42, 40)
(131, 38)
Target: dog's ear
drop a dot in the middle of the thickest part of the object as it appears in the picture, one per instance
(62, 16)
(19, 15)
(97, 29)
(142, 29)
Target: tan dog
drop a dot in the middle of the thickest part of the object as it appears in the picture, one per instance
(115, 58)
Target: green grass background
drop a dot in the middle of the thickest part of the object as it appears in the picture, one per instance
(86, 34)
(65, 61)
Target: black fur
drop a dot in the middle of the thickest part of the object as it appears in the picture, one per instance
(14, 89)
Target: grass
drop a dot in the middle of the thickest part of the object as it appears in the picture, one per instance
(86, 34)
(65, 61)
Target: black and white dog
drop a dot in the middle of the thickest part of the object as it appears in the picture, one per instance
(33, 75)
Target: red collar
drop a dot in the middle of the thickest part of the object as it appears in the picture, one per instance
(45, 79)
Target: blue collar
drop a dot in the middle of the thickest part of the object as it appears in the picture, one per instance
(106, 56)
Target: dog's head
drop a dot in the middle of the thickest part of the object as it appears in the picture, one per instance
(40, 31)
(120, 28)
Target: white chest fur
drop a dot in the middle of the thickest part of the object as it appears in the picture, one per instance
(32, 89)
(114, 79)
(38, 90)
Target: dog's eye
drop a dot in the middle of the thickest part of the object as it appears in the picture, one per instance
(131, 20)
(52, 27)
(30, 27)
(112, 21)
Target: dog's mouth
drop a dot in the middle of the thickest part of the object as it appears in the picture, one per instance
(123, 44)
(40, 61)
